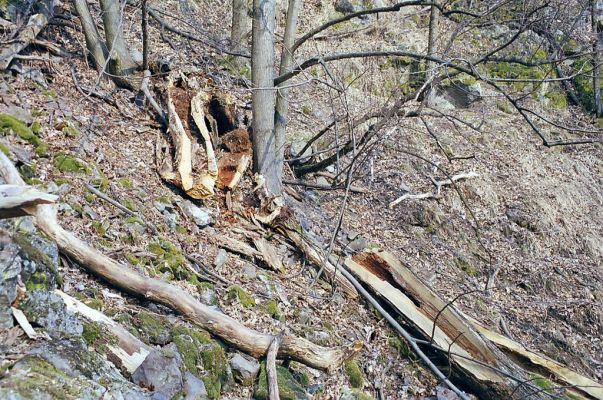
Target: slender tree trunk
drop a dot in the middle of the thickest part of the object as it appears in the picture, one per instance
(282, 103)
(240, 26)
(434, 28)
(120, 63)
(597, 26)
(94, 43)
(265, 159)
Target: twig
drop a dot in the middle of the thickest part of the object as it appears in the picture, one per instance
(321, 186)
(110, 200)
(438, 185)
(144, 87)
(271, 369)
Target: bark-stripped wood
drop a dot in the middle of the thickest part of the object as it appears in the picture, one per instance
(128, 352)
(121, 276)
(13, 198)
(269, 255)
(470, 354)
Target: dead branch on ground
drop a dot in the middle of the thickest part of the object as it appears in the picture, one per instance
(121, 276)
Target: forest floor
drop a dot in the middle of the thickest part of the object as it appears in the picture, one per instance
(534, 214)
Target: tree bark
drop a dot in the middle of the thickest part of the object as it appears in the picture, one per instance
(240, 26)
(597, 27)
(282, 103)
(94, 43)
(434, 28)
(265, 158)
(120, 59)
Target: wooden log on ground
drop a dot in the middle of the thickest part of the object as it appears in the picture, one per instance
(121, 276)
(475, 362)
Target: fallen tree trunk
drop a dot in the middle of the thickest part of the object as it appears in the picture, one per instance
(579, 384)
(476, 363)
(121, 276)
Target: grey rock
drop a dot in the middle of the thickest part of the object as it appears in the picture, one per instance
(297, 147)
(208, 296)
(10, 268)
(344, 6)
(89, 212)
(160, 206)
(48, 310)
(201, 216)
(244, 370)
(321, 180)
(194, 388)
(221, 258)
(52, 187)
(459, 94)
(358, 244)
(136, 56)
(170, 219)
(250, 272)
(21, 114)
(161, 371)
(443, 393)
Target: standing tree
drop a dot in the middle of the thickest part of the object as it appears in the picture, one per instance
(266, 159)
(240, 25)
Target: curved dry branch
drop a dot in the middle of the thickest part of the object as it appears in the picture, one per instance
(121, 276)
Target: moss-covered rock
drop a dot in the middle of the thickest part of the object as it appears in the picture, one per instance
(153, 328)
(288, 387)
(200, 353)
(235, 292)
(169, 259)
(66, 163)
(272, 309)
(19, 128)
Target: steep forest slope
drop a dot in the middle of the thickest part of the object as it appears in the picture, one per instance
(518, 245)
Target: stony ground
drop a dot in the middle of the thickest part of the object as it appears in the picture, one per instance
(533, 215)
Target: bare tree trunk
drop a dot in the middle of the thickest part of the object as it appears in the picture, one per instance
(240, 25)
(265, 159)
(434, 28)
(94, 43)
(597, 22)
(120, 59)
(282, 103)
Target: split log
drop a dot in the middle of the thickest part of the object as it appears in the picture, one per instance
(128, 352)
(233, 164)
(27, 36)
(121, 276)
(474, 361)
(264, 253)
(13, 198)
(579, 384)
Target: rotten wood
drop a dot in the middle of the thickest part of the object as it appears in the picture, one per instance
(269, 255)
(121, 276)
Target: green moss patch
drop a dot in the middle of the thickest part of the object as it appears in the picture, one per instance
(354, 374)
(153, 328)
(66, 163)
(169, 259)
(235, 292)
(19, 128)
(272, 309)
(200, 352)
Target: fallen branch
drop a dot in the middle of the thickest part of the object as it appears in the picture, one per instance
(271, 369)
(438, 185)
(320, 186)
(27, 36)
(121, 276)
(144, 88)
(13, 198)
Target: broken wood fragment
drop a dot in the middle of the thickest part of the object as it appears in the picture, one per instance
(271, 369)
(14, 198)
(475, 361)
(269, 255)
